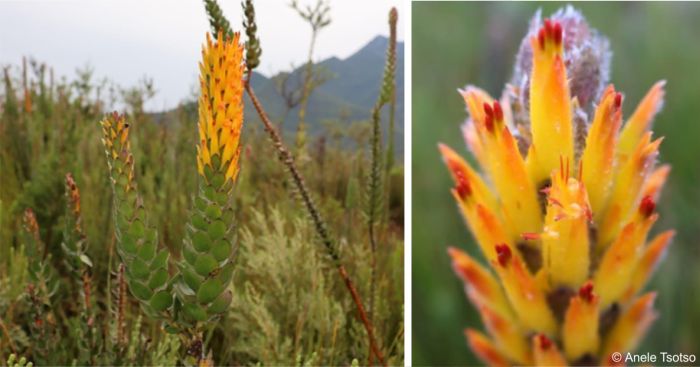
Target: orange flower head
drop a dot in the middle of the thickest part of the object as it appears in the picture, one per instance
(220, 106)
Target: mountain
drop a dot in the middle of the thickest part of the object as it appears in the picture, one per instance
(348, 95)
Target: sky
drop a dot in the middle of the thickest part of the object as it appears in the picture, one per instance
(125, 40)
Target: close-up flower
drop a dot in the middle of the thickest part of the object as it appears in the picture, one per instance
(561, 206)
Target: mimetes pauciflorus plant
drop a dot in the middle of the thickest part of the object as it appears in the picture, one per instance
(196, 293)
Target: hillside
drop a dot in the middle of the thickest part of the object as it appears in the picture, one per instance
(351, 90)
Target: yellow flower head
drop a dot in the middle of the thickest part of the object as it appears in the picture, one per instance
(220, 106)
(564, 215)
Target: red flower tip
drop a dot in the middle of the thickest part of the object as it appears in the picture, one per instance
(548, 28)
(545, 343)
(488, 118)
(647, 206)
(558, 33)
(618, 100)
(550, 31)
(586, 292)
(503, 253)
(493, 114)
(497, 111)
(463, 187)
(488, 110)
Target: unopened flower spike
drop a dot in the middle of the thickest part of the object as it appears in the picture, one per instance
(562, 206)
(252, 45)
(137, 243)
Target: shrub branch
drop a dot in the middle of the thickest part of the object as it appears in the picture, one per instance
(288, 160)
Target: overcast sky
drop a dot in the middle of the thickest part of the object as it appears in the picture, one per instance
(125, 40)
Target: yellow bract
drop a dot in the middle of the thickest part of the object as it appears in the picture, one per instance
(618, 263)
(484, 348)
(504, 164)
(653, 254)
(482, 286)
(630, 327)
(528, 301)
(598, 156)
(565, 242)
(476, 202)
(550, 104)
(580, 330)
(507, 335)
(546, 352)
(640, 121)
(221, 105)
(626, 191)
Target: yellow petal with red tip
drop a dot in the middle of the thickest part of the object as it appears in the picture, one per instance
(486, 289)
(641, 120)
(468, 182)
(617, 266)
(550, 102)
(627, 189)
(546, 352)
(517, 192)
(525, 296)
(506, 168)
(655, 182)
(580, 329)
(475, 203)
(488, 230)
(507, 336)
(484, 348)
(565, 255)
(598, 156)
(653, 254)
(630, 328)
(475, 98)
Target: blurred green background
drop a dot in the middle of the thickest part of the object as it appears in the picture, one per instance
(455, 44)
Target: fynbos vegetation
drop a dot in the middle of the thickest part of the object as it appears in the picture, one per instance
(177, 238)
